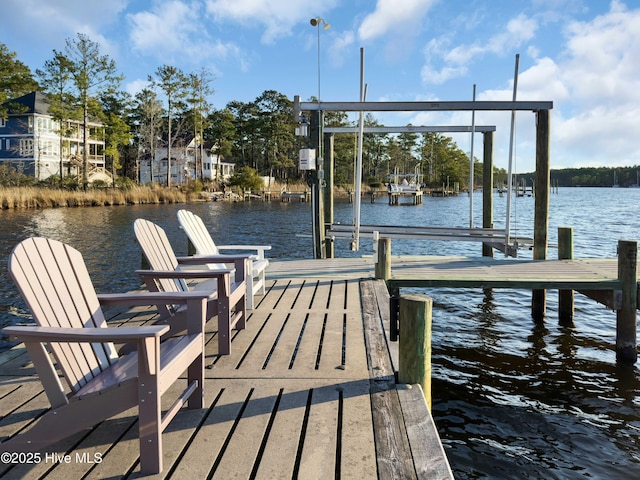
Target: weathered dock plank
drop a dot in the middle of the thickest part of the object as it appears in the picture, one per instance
(308, 391)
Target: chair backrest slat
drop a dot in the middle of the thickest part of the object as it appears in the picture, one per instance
(158, 251)
(197, 232)
(56, 286)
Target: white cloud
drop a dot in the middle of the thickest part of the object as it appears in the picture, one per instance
(542, 81)
(517, 32)
(136, 86)
(167, 28)
(277, 17)
(176, 30)
(599, 70)
(391, 15)
(48, 22)
(340, 44)
(602, 58)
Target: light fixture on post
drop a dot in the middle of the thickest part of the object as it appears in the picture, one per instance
(316, 22)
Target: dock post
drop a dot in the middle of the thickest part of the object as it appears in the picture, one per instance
(626, 351)
(565, 297)
(383, 261)
(415, 342)
(383, 271)
(317, 188)
(541, 213)
(487, 189)
(329, 163)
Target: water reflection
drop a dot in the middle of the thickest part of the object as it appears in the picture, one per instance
(511, 399)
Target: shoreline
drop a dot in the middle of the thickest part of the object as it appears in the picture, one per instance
(40, 197)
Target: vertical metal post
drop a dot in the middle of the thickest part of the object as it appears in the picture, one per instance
(358, 171)
(510, 167)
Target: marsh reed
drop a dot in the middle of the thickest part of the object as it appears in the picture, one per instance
(35, 197)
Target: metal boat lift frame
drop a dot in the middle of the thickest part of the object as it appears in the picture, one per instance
(540, 109)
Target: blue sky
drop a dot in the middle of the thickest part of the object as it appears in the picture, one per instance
(584, 55)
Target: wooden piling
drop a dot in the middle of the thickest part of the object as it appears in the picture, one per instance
(487, 189)
(565, 297)
(415, 342)
(317, 189)
(328, 190)
(541, 214)
(383, 271)
(626, 351)
(383, 263)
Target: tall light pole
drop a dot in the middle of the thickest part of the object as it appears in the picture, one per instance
(316, 22)
(318, 183)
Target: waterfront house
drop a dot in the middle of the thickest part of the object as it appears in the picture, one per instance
(189, 160)
(35, 144)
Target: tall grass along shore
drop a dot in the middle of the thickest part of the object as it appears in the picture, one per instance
(34, 197)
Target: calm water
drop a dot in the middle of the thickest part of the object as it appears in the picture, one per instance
(511, 399)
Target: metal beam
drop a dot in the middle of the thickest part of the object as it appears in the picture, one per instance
(413, 128)
(419, 106)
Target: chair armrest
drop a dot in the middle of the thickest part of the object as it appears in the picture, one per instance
(241, 264)
(204, 259)
(260, 249)
(149, 298)
(223, 277)
(84, 334)
(219, 273)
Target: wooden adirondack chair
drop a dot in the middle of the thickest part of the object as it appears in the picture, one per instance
(200, 238)
(227, 294)
(55, 285)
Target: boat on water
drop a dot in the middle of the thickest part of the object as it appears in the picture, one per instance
(405, 182)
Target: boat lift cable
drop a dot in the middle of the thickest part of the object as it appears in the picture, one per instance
(510, 169)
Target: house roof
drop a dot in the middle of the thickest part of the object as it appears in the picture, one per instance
(35, 102)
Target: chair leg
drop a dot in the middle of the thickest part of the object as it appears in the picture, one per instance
(250, 293)
(149, 422)
(262, 283)
(224, 326)
(196, 372)
(242, 306)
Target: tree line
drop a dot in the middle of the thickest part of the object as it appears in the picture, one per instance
(591, 177)
(175, 108)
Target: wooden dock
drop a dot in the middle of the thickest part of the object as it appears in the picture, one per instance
(611, 282)
(308, 392)
(584, 275)
(309, 389)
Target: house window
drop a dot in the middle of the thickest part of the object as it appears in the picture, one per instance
(26, 147)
